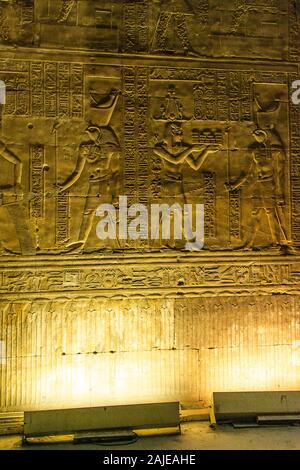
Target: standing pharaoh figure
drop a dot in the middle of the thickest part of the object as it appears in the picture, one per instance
(175, 153)
(101, 156)
(173, 13)
(266, 175)
(11, 197)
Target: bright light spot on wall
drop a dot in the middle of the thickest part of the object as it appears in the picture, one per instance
(2, 353)
(296, 353)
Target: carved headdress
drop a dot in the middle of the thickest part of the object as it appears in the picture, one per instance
(103, 135)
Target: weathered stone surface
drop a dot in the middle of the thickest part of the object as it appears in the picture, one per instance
(185, 101)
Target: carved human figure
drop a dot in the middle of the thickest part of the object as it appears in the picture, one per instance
(175, 153)
(101, 155)
(266, 175)
(175, 11)
(11, 197)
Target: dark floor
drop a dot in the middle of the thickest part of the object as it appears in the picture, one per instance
(195, 436)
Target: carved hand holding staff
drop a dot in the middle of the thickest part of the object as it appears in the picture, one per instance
(18, 166)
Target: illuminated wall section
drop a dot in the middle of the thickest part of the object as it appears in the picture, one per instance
(62, 353)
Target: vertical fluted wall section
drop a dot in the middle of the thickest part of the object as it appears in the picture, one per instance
(84, 353)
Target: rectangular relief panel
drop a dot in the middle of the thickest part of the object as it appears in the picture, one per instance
(175, 28)
(77, 135)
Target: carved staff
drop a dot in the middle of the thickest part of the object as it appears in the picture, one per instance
(228, 155)
(228, 180)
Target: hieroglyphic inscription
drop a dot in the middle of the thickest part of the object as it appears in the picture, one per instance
(245, 97)
(142, 133)
(43, 89)
(268, 77)
(135, 91)
(16, 79)
(37, 92)
(234, 96)
(27, 12)
(50, 96)
(235, 214)
(221, 96)
(294, 31)
(64, 90)
(63, 219)
(205, 98)
(130, 163)
(210, 205)
(201, 8)
(135, 25)
(148, 277)
(76, 90)
(37, 181)
(196, 27)
(4, 24)
(17, 21)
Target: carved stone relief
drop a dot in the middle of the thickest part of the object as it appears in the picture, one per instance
(87, 134)
(164, 102)
(190, 28)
